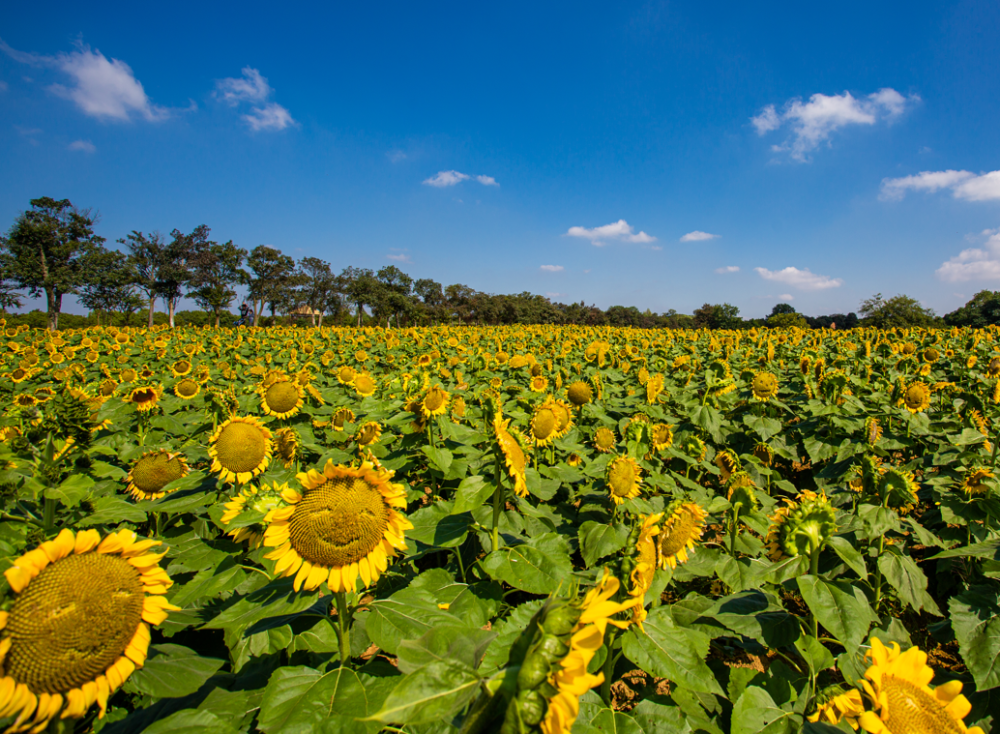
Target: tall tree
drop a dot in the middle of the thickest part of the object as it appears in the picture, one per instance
(394, 296)
(271, 271)
(46, 245)
(360, 287)
(9, 296)
(215, 270)
(175, 275)
(320, 289)
(148, 263)
(897, 311)
(109, 286)
(431, 297)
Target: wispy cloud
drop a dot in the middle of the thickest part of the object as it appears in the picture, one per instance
(399, 257)
(620, 231)
(443, 179)
(814, 121)
(728, 269)
(252, 88)
(786, 297)
(395, 156)
(963, 184)
(801, 279)
(552, 268)
(974, 263)
(84, 146)
(102, 88)
(550, 294)
(698, 236)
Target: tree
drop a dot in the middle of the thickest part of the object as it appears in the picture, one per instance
(781, 308)
(394, 296)
(717, 316)
(175, 274)
(109, 285)
(215, 269)
(459, 300)
(983, 310)
(147, 261)
(431, 298)
(787, 320)
(320, 288)
(46, 245)
(9, 296)
(898, 311)
(360, 287)
(271, 272)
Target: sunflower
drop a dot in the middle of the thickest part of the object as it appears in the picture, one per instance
(434, 402)
(837, 704)
(260, 500)
(544, 425)
(344, 524)
(646, 558)
(181, 368)
(145, 398)
(364, 385)
(286, 445)
(579, 393)
(764, 386)
(539, 383)
(917, 397)
(873, 431)
(345, 375)
(694, 447)
(897, 489)
(282, 398)
(973, 484)
(513, 454)
(902, 702)
(240, 449)
(663, 436)
(342, 416)
(128, 374)
(623, 478)
(801, 526)
(742, 492)
(993, 368)
(764, 453)
(368, 433)
(728, 463)
(187, 388)
(153, 471)
(564, 416)
(679, 534)
(604, 440)
(79, 625)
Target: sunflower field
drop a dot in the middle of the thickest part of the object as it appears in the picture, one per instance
(514, 529)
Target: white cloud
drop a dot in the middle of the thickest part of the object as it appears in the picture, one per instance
(814, 121)
(620, 230)
(82, 145)
(441, 179)
(698, 236)
(801, 279)
(271, 116)
(728, 269)
(552, 268)
(786, 297)
(251, 88)
(974, 263)
(399, 257)
(963, 184)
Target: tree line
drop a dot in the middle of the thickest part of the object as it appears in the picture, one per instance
(51, 250)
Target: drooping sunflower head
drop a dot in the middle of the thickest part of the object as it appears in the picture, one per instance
(764, 386)
(645, 557)
(604, 440)
(742, 492)
(974, 484)
(694, 447)
(368, 433)
(79, 625)
(345, 524)
(993, 368)
(764, 453)
(153, 471)
(801, 526)
(917, 397)
(286, 445)
(897, 686)
(579, 393)
(512, 452)
(624, 479)
(340, 417)
(834, 704)
(898, 490)
(240, 449)
(564, 416)
(728, 463)
(282, 398)
(145, 398)
(873, 431)
(245, 513)
(680, 531)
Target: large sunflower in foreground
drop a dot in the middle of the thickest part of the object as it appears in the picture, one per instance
(240, 449)
(345, 524)
(901, 699)
(513, 454)
(282, 398)
(79, 625)
(153, 471)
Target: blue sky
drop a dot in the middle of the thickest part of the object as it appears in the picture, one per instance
(660, 155)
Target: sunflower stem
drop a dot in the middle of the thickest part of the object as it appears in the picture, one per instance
(496, 506)
(343, 626)
(49, 515)
(732, 532)
(609, 667)
(878, 573)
